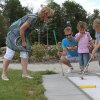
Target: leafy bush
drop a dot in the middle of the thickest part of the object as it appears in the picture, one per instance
(38, 52)
(53, 52)
(2, 50)
(16, 56)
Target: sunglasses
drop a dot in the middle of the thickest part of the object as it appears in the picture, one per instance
(68, 34)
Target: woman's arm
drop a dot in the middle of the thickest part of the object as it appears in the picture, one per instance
(22, 33)
(97, 46)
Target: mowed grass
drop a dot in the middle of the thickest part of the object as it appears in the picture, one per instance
(18, 88)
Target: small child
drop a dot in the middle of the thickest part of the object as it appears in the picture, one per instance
(96, 27)
(84, 40)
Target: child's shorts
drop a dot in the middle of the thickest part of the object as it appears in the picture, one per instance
(72, 59)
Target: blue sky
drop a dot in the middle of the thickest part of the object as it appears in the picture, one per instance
(88, 5)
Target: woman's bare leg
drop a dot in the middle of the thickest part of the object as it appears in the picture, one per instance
(4, 69)
(24, 63)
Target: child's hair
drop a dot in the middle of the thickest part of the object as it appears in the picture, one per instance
(96, 23)
(67, 29)
(82, 25)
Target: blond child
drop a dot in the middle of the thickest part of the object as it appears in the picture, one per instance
(84, 39)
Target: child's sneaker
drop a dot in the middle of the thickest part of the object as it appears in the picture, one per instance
(86, 72)
(70, 70)
(81, 71)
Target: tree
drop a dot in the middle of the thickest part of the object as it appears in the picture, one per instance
(55, 23)
(3, 29)
(13, 10)
(96, 14)
(69, 14)
(74, 13)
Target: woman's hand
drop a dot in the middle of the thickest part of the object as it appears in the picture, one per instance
(92, 56)
(24, 44)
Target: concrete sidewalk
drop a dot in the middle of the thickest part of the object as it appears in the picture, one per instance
(93, 67)
(58, 87)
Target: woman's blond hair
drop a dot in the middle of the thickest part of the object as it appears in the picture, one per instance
(46, 10)
(96, 23)
(81, 24)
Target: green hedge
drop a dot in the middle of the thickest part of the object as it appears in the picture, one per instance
(41, 53)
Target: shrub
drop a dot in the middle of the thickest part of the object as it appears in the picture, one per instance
(38, 52)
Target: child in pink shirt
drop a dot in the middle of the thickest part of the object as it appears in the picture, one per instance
(84, 39)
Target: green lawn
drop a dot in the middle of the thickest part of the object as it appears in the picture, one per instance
(18, 88)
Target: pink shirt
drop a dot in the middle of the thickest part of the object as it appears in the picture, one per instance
(83, 42)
